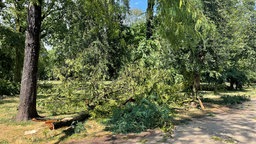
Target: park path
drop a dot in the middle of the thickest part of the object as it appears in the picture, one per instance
(235, 126)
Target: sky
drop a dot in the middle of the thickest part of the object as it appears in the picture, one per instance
(138, 4)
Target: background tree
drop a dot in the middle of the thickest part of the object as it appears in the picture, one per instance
(150, 15)
(186, 28)
(12, 45)
(230, 50)
(14, 15)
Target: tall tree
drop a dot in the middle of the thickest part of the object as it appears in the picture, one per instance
(230, 49)
(150, 15)
(27, 107)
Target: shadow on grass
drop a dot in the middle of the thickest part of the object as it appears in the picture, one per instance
(5, 101)
(67, 133)
(228, 100)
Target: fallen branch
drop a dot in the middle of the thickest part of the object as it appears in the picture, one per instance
(55, 124)
(129, 100)
(201, 103)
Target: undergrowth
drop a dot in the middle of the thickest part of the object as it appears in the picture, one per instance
(138, 117)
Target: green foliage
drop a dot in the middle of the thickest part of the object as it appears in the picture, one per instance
(85, 84)
(44, 64)
(11, 45)
(62, 99)
(230, 47)
(138, 117)
(212, 87)
(8, 88)
(235, 77)
(78, 127)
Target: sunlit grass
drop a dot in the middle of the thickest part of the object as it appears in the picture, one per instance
(14, 132)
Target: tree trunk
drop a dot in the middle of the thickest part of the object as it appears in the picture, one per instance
(196, 87)
(150, 14)
(231, 87)
(27, 107)
(196, 83)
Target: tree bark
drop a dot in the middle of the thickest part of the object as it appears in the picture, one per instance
(53, 125)
(196, 87)
(27, 107)
(150, 14)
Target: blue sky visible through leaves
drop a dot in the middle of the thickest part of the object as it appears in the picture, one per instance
(138, 4)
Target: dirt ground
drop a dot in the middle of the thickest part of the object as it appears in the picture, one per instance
(235, 125)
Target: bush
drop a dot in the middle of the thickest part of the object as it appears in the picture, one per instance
(77, 127)
(135, 118)
(8, 88)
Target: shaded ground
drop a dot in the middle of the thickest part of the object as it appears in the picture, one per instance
(234, 125)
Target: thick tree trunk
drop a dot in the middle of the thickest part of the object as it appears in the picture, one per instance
(150, 14)
(27, 107)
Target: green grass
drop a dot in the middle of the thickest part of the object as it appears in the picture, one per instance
(227, 100)
(225, 140)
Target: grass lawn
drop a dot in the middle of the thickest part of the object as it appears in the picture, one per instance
(17, 132)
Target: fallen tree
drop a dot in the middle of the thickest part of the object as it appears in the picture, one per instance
(56, 124)
(67, 122)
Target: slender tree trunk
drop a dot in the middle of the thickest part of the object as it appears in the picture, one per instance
(150, 14)
(231, 87)
(196, 87)
(27, 107)
(195, 84)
